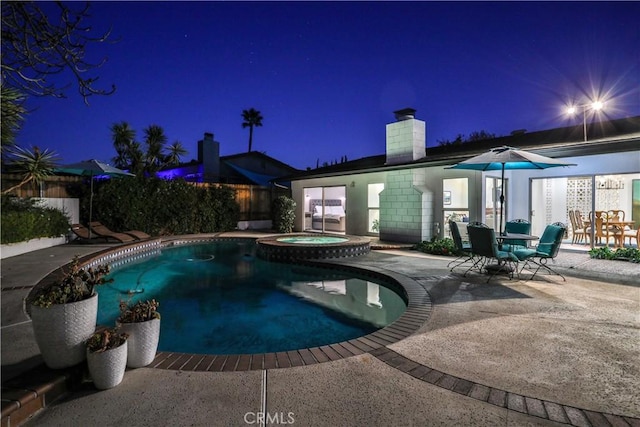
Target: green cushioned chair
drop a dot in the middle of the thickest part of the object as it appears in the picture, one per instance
(547, 249)
(485, 245)
(519, 226)
(462, 247)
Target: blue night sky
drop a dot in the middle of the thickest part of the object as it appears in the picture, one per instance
(327, 76)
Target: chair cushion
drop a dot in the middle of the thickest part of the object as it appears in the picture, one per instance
(523, 254)
(507, 255)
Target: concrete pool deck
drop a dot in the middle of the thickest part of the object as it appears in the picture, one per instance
(511, 352)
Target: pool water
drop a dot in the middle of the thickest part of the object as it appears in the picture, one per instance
(312, 240)
(218, 298)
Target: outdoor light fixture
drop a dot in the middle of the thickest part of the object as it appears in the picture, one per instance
(594, 107)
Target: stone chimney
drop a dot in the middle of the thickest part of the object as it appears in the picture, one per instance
(209, 157)
(406, 138)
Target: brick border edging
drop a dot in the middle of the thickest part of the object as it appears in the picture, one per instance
(32, 391)
(544, 409)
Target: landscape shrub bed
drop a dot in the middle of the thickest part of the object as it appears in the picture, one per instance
(164, 207)
(24, 219)
(620, 254)
(444, 246)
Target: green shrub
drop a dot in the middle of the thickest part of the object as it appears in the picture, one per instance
(163, 207)
(283, 214)
(444, 246)
(620, 254)
(24, 219)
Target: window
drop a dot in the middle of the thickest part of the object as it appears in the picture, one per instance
(373, 206)
(455, 203)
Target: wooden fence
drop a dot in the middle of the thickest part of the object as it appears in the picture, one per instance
(254, 200)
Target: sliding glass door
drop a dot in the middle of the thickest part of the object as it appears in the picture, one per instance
(325, 209)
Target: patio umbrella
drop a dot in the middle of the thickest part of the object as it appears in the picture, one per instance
(91, 168)
(502, 158)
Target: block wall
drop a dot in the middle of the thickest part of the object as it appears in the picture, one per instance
(406, 141)
(406, 207)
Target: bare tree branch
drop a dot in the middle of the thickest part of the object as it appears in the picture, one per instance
(34, 47)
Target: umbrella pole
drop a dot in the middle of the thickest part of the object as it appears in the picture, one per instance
(501, 198)
(90, 206)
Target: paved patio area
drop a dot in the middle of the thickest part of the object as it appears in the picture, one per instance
(511, 352)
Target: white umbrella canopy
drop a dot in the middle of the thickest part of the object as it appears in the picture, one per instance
(91, 168)
(503, 158)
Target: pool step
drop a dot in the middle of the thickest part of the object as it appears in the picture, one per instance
(28, 393)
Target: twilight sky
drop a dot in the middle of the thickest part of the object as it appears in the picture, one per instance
(327, 76)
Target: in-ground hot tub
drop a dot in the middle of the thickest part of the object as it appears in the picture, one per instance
(311, 246)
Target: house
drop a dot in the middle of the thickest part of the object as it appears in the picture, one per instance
(409, 193)
(251, 168)
(251, 175)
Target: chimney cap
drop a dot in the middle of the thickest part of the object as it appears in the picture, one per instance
(405, 114)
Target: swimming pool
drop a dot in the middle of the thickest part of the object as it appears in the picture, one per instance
(219, 298)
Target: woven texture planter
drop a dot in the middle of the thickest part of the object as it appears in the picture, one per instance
(142, 342)
(62, 329)
(107, 367)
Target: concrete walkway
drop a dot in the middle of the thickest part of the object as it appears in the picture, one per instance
(511, 352)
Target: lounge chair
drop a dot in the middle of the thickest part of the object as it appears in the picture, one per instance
(102, 230)
(82, 232)
(546, 250)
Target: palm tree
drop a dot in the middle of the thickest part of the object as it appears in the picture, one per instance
(13, 112)
(251, 118)
(155, 139)
(35, 166)
(175, 151)
(123, 137)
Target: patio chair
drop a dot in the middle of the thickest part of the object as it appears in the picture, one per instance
(519, 226)
(484, 244)
(463, 248)
(102, 230)
(547, 249)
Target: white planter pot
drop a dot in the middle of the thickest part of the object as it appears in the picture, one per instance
(107, 367)
(142, 342)
(62, 329)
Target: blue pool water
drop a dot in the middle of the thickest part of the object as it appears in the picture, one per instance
(218, 298)
(312, 240)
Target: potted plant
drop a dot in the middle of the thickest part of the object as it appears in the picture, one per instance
(141, 321)
(107, 357)
(64, 313)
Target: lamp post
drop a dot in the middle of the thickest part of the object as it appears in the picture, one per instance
(594, 106)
